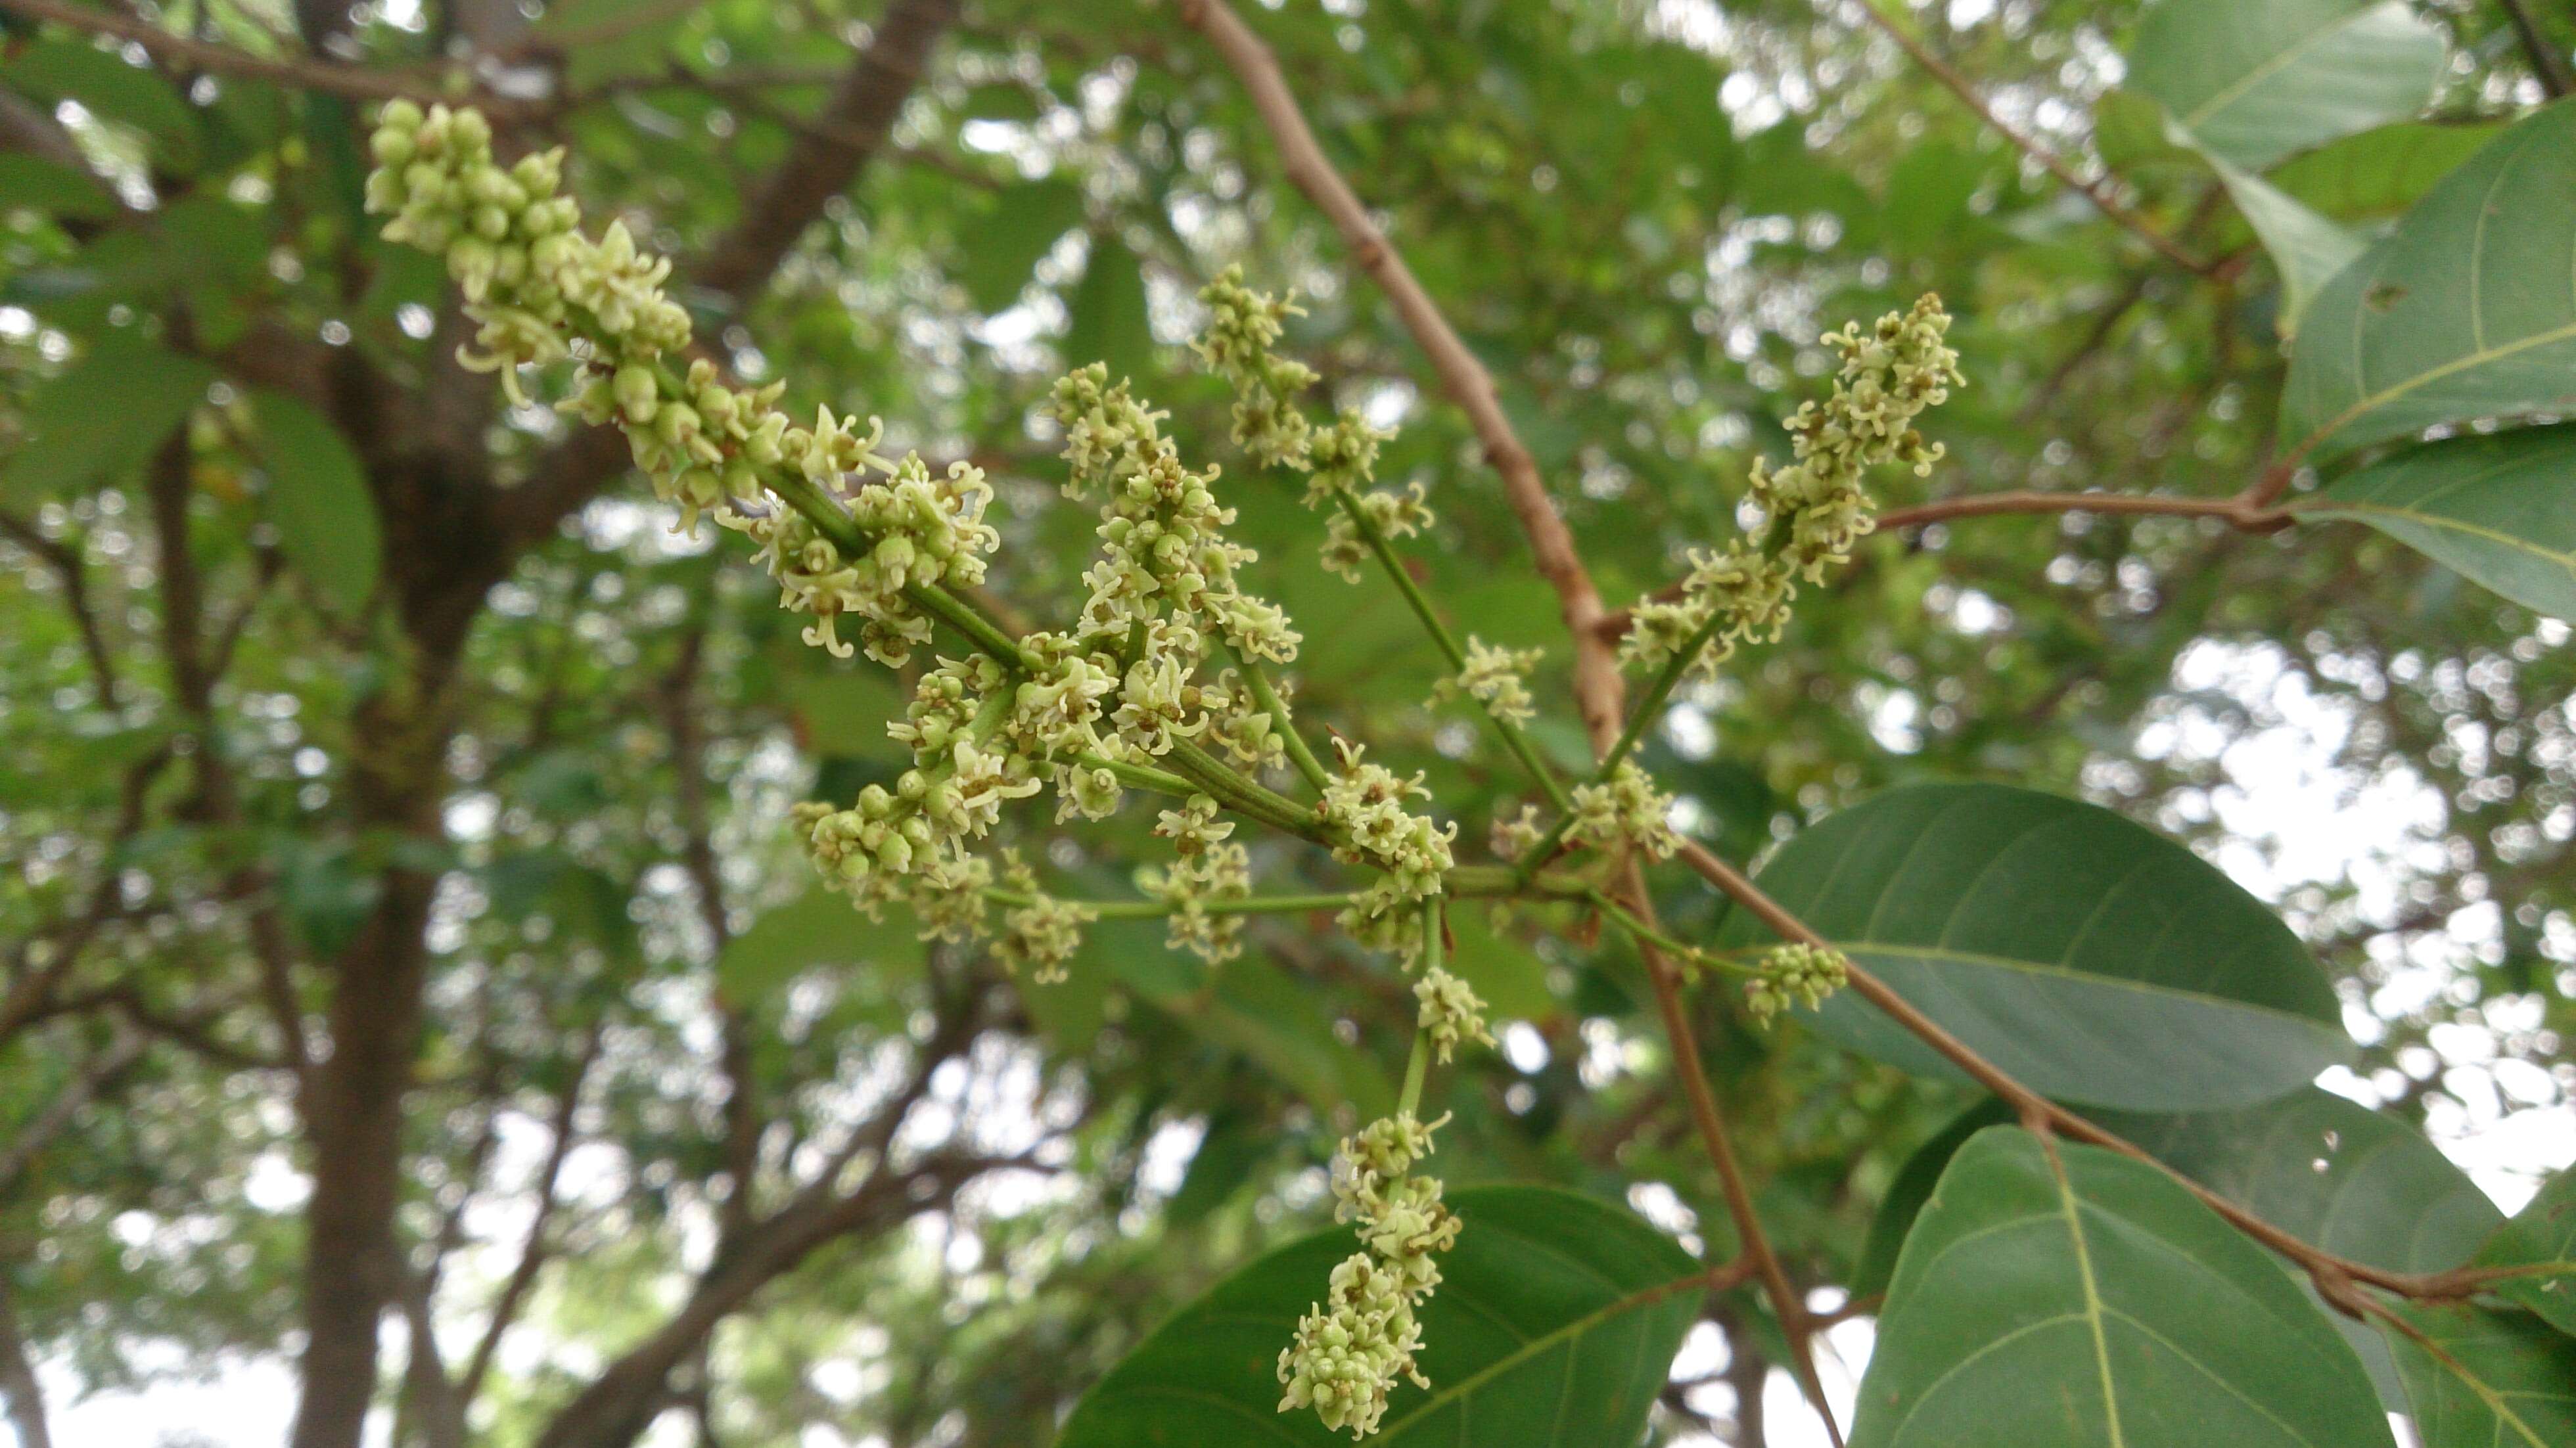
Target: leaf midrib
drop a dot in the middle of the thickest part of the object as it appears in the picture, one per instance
(1636, 1301)
(1955, 956)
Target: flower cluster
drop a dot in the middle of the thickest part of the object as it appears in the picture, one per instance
(1801, 973)
(1339, 458)
(1817, 506)
(1626, 807)
(1210, 868)
(1451, 1014)
(1364, 805)
(1496, 678)
(1350, 1350)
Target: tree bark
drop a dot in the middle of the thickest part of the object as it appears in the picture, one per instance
(18, 1385)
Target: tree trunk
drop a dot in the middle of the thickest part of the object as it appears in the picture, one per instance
(26, 1398)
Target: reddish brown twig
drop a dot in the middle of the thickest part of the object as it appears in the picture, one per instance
(2323, 1265)
(2097, 191)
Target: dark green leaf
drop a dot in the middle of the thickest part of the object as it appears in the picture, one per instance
(2499, 507)
(2466, 310)
(319, 503)
(819, 927)
(2379, 173)
(1108, 313)
(2076, 949)
(2543, 1232)
(2257, 82)
(1553, 1326)
(1911, 1189)
(2333, 1173)
(36, 184)
(112, 90)
(1027, 220)
(2069, 1296)
(103, 415)
(2486, 1378)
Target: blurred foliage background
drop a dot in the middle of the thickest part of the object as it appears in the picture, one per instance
(398, 916)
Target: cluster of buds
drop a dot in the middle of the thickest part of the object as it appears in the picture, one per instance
(1804, 974)
(1626, 808)
(1451, 1015)
(1339, 458)
(534, 283)
(1351, 1349)
(1497, 678)
(1043, 933)
(1817, 506)
(1210, 867)
(1364, 804)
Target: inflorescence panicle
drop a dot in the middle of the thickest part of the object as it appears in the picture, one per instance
(1159, 680)
(1817, 506)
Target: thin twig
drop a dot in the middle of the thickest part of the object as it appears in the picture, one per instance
(2096, 191)
(331, 77)
(2547, 61)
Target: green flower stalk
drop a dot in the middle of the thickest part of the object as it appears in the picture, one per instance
(1817, 506)
(1352, 1348)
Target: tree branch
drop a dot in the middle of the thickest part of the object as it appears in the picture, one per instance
(329, 77)
(2096, 191)
(2547, 61)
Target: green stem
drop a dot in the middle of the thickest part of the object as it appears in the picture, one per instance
(1416, 1067)
(1263, 690)
(1229, 786)
(1709, 959)
(1157, 909)
(1513, 739)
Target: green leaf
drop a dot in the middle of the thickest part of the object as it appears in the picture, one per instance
(1555, 1321)
(2076, 949)
(102, 416)
(2308, 249)
(2257, 82)
(1027, 221)
(1271, 1017)
(34, 184)
(2486, 1378)
(2466, 310)
(107, 87)
(2069, 1296)
(1108, 313)
(2499, 507)
(819, 927)
(1912, 1188)
(2543, 1232)
(2379, 173)
(2334, 1173)
(1504, 972)
(319, 503)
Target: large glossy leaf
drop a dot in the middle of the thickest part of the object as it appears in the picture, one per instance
(1556, 1319)
(2484, 1377)
(2257, 82)
(2334, 1173)
(2466, 309)
(1108, 321)
(2076, 949)
(2069, 1296)
(319, 503)
(2542, 1234)
(2498, 507)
